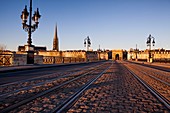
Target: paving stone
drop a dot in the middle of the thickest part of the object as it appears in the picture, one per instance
(120, 92)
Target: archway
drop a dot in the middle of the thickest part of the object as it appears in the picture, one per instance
(117, 57)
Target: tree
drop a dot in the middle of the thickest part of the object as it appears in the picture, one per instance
(2, 47)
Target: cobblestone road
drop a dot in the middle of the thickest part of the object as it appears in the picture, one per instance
(117, 91)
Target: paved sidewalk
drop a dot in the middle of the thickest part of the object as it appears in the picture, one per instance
(24, 67)
(4, 69)
(36, 66)
(167, 65)
(29, 66)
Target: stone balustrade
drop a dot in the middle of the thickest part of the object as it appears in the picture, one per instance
(21, 59)
(59, 60)
(6, 59)
(18, 59)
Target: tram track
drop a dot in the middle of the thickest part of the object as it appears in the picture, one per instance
(69, 102)
(158, 67)
(118, 90)
(31, 89)
(38, 81)
(15, 87)
(154, 92)
(115, 83)
(46, 76)
(158, 87)
(10, 77)
(57, 87)
(74, 100)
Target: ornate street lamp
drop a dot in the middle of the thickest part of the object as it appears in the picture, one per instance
(150, 42)
(136, 52)
(99, 51)
(30, 28)
(87, 43)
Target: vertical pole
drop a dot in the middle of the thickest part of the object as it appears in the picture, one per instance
(136, 51)
(87, 44)
(63, 60)
(30, 51)
(29, 31)
(150, 50)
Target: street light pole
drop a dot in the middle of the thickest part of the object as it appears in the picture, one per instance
(30, 23)
(136, 52)
(99, 52)
(150, 43)
(30, 28)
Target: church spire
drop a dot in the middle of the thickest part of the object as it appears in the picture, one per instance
(55, 41)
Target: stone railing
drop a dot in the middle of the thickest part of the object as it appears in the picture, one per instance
(59, 60)
(13, 59)
(5, 59)
(21, 59)
(18, 59)
(163, 60)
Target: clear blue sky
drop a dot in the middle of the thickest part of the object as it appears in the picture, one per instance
(114, 24)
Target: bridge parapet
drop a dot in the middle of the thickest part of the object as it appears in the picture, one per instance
(59, 60)
(5, 59)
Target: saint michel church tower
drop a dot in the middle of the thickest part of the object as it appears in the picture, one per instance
(55, 40)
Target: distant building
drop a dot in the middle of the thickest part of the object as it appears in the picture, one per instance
(157, 55)
(104, 54)
(55, 56)
(68, 54)
(119, 54)
(36, 48)
(55, 41)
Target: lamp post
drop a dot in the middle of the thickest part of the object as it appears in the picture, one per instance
(150, 42)
(99, 51)
(30, 28)
(87, 43)
(136, 52)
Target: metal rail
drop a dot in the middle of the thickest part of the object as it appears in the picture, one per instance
(69, 102)
(34, 78)
(36, 85)
(152, 90)
(156, 78)
(7, 109)
(41, 83)
(166, 69)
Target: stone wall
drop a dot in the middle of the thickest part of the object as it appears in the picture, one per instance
(50, 53)
(91, 56)
(16, 59)
(6, 59)
(103, 55)
(19, 59)
(161, 55)
(68, 56)
(117, 54)
(38, 59)
(48, 57)
(13, 59)
(59, 60)
(157, 55)
(76, 54)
